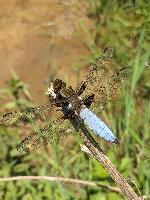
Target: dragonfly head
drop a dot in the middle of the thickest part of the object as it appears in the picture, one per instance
(55, 88)
(58, 85)
(50, 91)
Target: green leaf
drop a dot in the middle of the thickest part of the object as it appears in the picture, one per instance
(125, 164)
(97, 196)
(113, 196)
(27, 196)
(21, 167)
(10, 105)
(99, 171)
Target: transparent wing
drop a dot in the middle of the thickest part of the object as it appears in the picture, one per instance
(47, 134)
(55, 129)
(106, 91)
(25, 116)
(97, 72)
(102, 83)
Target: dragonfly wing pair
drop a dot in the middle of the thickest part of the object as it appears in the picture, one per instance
(96, 91)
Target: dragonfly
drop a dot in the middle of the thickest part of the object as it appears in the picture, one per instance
(94, 93)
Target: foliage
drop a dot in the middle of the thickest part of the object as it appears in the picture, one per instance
(125, 25)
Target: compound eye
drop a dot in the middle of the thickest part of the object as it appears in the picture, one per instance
(58, 85)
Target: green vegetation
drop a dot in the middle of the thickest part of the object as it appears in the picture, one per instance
(126, 26)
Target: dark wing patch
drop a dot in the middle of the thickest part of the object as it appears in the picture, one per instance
(103, 82)
(97, 73)
(106, 90)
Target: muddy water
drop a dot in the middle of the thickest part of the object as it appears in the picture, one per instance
(39, 40)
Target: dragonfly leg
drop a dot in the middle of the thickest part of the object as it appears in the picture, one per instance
(88, 100)
(81, 89)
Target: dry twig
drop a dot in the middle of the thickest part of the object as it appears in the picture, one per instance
(91, 147)
(61, 179)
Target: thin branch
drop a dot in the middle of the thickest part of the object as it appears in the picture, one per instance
(94, 149)
(61, 179)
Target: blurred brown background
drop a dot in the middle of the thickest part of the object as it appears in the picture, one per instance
(39, 40)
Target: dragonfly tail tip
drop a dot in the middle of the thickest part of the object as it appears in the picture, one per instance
(116, 141)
